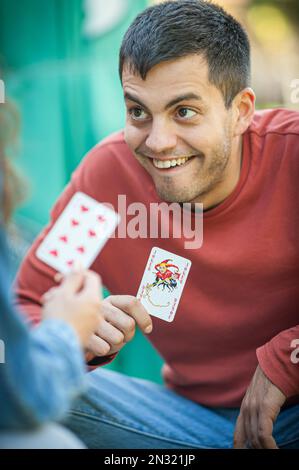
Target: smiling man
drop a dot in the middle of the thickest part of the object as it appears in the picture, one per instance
(192, 135)
(189, 142)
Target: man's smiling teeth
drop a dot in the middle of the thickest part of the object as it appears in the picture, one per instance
(170, 163)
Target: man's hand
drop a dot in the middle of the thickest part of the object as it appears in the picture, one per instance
(259, 410)
(121, 315)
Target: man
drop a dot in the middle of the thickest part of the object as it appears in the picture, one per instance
(192, 135)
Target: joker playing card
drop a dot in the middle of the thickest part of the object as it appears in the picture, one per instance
(163, 283)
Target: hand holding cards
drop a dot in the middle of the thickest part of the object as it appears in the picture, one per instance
(78, 234)
(77, 301)
(162, 283)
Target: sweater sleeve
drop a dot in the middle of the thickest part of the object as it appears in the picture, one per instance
(279, 360)
(47, 365)
(40, 372)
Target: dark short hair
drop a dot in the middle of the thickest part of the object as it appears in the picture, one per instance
(175, 29)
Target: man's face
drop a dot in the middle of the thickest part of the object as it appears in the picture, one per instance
(178, 128)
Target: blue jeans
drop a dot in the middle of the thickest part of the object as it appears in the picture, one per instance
(121, 412)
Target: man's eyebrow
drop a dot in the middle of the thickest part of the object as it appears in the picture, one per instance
(178, 99)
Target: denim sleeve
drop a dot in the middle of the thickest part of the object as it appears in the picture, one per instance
(40, 371)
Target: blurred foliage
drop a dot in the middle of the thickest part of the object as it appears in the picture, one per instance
(289, 7)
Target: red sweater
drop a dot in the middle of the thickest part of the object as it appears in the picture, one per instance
(240, 304)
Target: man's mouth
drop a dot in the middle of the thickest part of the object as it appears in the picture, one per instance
(172, 163)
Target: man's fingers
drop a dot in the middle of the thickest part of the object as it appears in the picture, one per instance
(251, 426)
(249, 438)
(265, 430)
(240, 435)
(135, 309)
(110, 334)
(98, 346)
(254, 431)
(120, 320)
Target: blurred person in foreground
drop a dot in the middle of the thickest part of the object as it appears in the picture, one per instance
(42, 371)
(192, 135)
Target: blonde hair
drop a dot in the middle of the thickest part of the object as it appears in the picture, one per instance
(12, 186)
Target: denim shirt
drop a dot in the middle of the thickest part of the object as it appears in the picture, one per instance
(42, 370)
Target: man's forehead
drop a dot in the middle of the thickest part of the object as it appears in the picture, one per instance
(180, 77)
(191, 67)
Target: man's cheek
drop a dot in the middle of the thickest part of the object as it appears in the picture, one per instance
(128, 133)
(133, 136)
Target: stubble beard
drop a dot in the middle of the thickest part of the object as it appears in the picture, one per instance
(204, 180)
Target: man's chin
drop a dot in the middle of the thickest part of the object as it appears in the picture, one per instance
(178, 196)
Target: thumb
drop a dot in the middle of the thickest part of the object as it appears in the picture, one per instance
(92, 285)
(73, 282)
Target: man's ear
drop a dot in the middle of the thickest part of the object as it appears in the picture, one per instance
(244, 107)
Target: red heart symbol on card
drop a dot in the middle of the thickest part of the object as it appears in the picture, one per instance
(54, 253)
(74, 222)
(101, 218)
(81, 249)
(70, 263)
(63, 238)
(84, 209)
(91, 233)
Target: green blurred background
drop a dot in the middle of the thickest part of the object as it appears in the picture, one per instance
(59, 63)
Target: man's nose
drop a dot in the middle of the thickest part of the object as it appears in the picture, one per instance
(161, 138)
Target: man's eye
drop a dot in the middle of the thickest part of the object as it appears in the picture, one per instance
(186, 113)
(138, 114)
